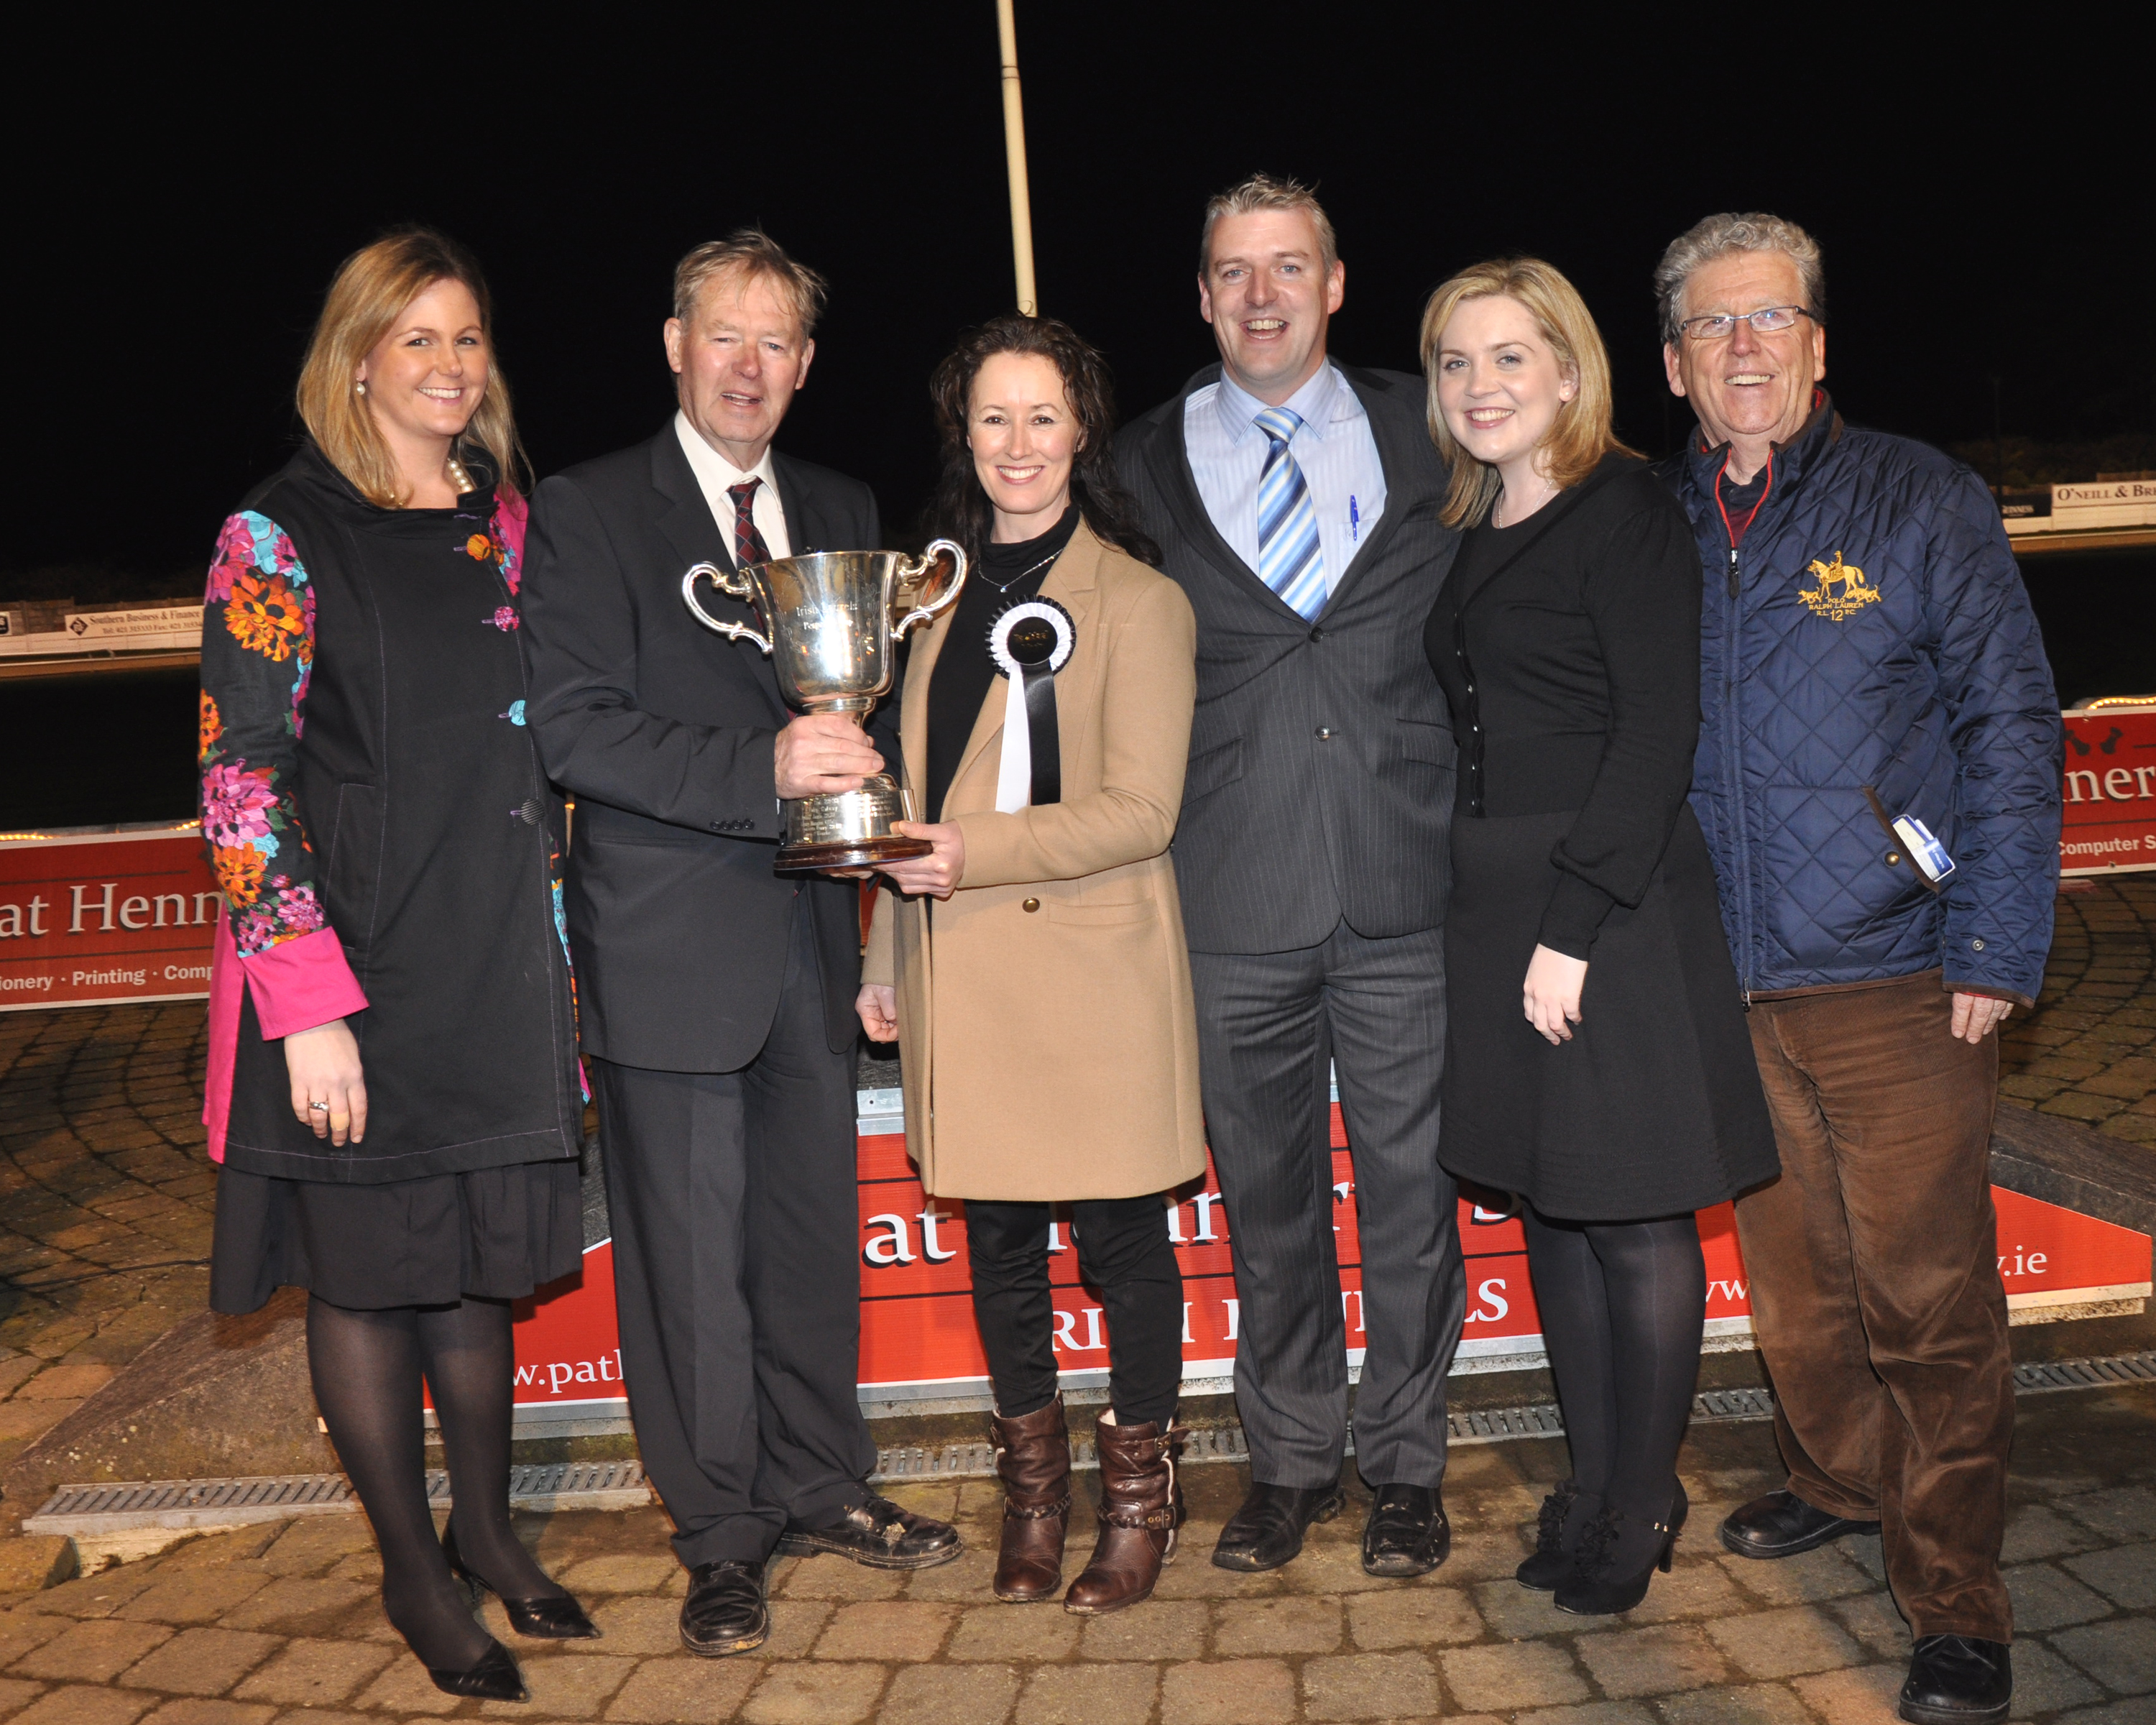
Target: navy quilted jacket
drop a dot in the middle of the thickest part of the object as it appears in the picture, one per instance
(1872, 630)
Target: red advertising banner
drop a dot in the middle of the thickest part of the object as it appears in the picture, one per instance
(2111, 790)
(104, 919)
(918, 1341)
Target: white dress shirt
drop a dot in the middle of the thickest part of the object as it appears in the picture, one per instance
(715, 473)
(1334, 448)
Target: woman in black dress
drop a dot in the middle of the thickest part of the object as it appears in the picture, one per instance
(393, 1093)
(1598, 1064)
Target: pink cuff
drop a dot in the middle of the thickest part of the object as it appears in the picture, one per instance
(511, 517)
(297, 984)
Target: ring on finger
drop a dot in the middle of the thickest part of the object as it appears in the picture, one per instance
(318, 1107)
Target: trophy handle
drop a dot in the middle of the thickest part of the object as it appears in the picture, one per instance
(734, 586)
(911, 568)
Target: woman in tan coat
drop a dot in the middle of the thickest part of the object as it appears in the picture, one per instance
(1033, 967)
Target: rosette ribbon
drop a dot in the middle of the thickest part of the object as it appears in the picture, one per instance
(1029, 643)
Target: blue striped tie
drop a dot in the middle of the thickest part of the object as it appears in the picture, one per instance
(1290, 560)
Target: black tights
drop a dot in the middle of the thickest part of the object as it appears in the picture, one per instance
(366, 1368)
(1123, 1250)
(1623, 1305)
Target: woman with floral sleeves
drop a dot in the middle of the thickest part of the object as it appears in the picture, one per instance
(393, 1095)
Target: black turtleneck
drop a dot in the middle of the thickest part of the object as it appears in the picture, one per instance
(1002, 576)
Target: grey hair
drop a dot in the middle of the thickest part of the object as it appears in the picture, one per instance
(1264, 192)
(752, 253)
(1720, 237)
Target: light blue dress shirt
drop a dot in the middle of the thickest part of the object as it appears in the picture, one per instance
(1334, 448)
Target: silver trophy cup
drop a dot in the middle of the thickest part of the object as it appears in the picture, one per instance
(830, 619)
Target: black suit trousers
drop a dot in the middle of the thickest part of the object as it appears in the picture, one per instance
(1268, 1023)
(732, 1198)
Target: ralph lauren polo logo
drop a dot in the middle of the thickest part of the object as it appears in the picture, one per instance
(1824, 601)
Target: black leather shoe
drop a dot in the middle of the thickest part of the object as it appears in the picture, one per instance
(551, 1617)
(1267, 1531)
(880, 1534)
(1781, 1524)
(726, 1610)
(494, 1678)
(1407, 1533)
(1958, 1680)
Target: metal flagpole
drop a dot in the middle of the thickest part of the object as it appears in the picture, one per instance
(1021, 200)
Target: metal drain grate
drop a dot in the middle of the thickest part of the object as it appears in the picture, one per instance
(2086, 1373)
(1499, 1425)
(1733, 1404)
(92, 1510)
(82, 1510)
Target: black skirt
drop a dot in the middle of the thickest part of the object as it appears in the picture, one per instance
(495, 1234)
(1654, 1107)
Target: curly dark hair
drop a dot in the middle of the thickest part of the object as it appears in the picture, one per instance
(960, 509)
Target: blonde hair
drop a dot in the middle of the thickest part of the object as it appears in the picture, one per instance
(1581, 435)
(753, 254)
(1264, 192)
(369, 293)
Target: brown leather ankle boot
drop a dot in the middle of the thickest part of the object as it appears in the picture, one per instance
(1141, 1509)
(1032, 1459)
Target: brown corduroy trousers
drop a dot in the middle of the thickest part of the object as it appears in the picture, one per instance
(1876, 1295)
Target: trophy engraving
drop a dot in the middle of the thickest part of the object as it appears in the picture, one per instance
(830, 619)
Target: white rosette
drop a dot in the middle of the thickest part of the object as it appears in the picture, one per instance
(1046, 637)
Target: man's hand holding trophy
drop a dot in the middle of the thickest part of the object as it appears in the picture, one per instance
(830, 621)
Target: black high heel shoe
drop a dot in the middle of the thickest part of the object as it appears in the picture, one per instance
(1566, 1515)
(556, 1617)
(494, 1678)
(1618, 1558)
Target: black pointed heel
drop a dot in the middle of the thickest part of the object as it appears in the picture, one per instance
(494, 1678)
(1605, 1582)
(554, 1618)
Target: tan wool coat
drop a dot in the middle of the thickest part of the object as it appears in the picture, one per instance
(1046, 1029)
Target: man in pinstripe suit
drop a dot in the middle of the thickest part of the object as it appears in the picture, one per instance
(1297, 504)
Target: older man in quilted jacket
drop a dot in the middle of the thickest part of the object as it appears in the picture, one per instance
(1879, 779)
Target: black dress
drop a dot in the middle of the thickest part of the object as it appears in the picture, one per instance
(374, 805)
(1569, 648)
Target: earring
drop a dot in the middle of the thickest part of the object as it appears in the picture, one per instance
(359, 388)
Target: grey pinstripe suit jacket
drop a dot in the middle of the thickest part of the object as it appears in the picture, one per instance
(1322, 755)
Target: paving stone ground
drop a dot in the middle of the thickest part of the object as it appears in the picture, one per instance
(105, 1199)
(2088, 1052)
(280, 1622)
(105, 1213)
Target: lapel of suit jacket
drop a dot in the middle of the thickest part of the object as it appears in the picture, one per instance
(1073, 584)
(927, 647)
(688, 525)
(686, 520)
(805, 530)
(1179, 485)
(1393, 432)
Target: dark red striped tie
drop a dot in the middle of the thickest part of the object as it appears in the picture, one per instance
(748, 544)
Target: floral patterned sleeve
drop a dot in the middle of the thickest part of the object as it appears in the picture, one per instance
(258, 652)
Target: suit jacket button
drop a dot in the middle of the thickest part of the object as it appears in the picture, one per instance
(1031, 904)
(1316, 633)
(531, 812)
(1325, 733)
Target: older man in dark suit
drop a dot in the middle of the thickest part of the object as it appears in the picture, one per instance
(1296, 503)
(716, 997)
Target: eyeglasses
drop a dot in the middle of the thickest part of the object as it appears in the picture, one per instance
(1717, 326)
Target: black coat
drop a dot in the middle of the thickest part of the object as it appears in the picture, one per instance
(412, 805)
(1321, 757)
(1569, 650)
(663, 731)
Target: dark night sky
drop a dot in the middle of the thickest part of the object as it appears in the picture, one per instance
(179, 203)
